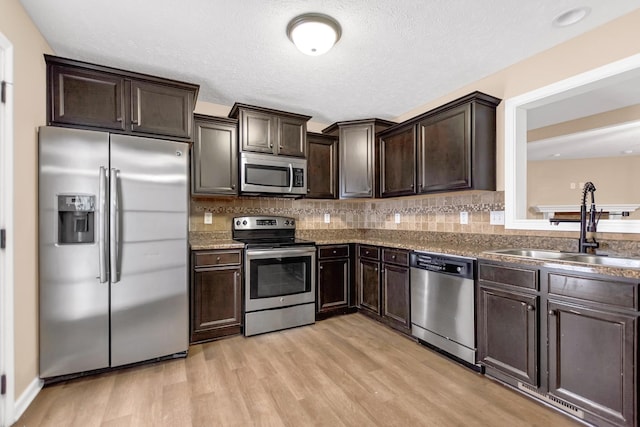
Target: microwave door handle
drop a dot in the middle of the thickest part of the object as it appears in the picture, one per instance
(290, 177)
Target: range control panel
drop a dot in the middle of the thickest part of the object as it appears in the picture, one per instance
(264, 223)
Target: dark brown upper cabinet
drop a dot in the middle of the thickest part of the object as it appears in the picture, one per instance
(322, 166)
(264, 130)
(357, 155)
(214, 156)
(91, 96)
(397, 162)
(457, 145)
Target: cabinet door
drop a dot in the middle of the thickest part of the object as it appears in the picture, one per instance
(591, 360)
(216, 298)
(322, 167)
(356, 161)
(369, 285)
(398, 163)
(214, 158)
(333, 284)
(257, 131)
(161, 110)
(89, 98)
(508, 333)
(444, 151)
(292, 137)
(395, 285)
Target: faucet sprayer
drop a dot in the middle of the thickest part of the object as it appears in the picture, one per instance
(589, 224)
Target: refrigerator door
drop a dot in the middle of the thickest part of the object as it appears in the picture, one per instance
(74, 304)
(149, 293)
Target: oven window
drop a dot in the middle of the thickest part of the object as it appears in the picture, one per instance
(271, 176)
(280, 276)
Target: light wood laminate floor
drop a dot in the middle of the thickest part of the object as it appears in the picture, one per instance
(344, 371)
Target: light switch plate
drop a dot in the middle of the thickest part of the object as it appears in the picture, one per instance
(208, 218)
(496, 218)
(327, 218)
(464, 217)
(396, 218)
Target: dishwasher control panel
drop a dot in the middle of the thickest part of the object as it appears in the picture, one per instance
(441, 263)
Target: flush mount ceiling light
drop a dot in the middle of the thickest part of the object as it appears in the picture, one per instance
(571, 17)
(314, 33)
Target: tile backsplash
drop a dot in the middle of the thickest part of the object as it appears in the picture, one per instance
(430, 213)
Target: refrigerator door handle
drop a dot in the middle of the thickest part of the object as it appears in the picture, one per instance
(114, 228)
(102, 225)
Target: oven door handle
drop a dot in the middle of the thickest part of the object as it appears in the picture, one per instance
(280, 253)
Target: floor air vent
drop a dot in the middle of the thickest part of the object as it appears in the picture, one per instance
(551, 400)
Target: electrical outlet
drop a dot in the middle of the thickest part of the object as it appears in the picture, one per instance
(496, 218)
(397, 218)
(327, 218)
(208, 218)
(464, 217)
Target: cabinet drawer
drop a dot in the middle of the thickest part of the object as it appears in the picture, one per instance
(340, 251)
(513, 276)
(611, 292)
(202, 259)
(395, 256)
(371, 252)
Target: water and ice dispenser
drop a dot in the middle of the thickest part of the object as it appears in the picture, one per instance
(76, 219)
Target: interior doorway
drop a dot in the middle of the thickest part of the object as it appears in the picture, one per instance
(6, 224)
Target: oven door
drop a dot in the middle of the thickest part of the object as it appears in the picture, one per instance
(279, 277)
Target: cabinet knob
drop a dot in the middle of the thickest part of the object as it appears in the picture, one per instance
(335, 252)
(375, 269)
(321, 267)
(530, 307)
(135, 122)
(308, 190)
(118, 119)
(552, 312)
(280, 147)
(366, 252)
(393, 257)
(411, 186)
(270, 145)
(217, 259)
(233, 186)
(237, 274)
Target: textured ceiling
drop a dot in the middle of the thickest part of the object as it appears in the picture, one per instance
(393, 55)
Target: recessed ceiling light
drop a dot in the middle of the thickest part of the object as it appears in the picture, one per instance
(570, 17)
(556, 155)
(314, 33)
(628, 151)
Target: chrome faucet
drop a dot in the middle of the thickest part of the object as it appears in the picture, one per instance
(589, 224)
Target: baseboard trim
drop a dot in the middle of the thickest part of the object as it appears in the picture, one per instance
(27, 396)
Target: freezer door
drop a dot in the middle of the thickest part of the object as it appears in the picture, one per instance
(74, 304)
(149, 294)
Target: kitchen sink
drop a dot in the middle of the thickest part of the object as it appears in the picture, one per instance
(535, 253)
(601, 260)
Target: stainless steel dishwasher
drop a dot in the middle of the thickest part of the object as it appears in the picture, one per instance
(442, 303)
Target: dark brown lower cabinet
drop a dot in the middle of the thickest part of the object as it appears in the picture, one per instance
(334, 281)
(565, 336)
(591, 360)
(396, 292)
(508, 333)
(369, 285)
(216, 294)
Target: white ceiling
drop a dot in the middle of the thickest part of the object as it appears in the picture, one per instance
(393, 55)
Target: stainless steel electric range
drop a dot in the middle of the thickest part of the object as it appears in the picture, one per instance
(280, 287)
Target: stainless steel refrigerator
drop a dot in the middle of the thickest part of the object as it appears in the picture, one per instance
(113, 226)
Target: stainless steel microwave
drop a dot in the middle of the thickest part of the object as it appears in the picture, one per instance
(266, 173)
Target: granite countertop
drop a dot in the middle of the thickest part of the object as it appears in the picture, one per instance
(467, 248)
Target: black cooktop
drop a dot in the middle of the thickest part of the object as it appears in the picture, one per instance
(266, 232)
(275, 242)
